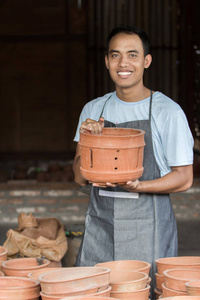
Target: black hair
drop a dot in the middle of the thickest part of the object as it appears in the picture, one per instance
(131, 30)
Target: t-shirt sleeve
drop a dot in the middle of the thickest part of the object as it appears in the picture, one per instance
(177, 140)
(82, 118)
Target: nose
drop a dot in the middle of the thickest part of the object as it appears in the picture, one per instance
(123, 62)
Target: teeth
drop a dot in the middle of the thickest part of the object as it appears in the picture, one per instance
(124, 73)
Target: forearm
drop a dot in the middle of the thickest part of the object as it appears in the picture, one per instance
(77, 174)
(178, 180)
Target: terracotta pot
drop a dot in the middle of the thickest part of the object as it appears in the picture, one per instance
(193, 288)
(103, 293)
(114, 156)
(23, 266)
(124, 281)
(175, 279)
(159, 281)
(157, 293)
(3, 253)
(88, 298)
(142, 294)
(35, 274)
(126, 265)
(181, 262)
(167, 292)
(19, 288)
(182, 298)
(70, 280)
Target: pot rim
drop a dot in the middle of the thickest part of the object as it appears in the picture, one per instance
(136, 131)
(166, 274)
(9, 278)
(5, 264)
(146, 277)
(53, 281)
(174, 260)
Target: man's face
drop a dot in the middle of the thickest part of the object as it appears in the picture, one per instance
(125, 60)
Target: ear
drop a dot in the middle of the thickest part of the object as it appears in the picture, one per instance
(106, 61)
(147, 61)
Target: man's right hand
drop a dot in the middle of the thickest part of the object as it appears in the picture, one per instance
(93, 126)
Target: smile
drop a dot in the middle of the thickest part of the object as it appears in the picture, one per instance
(124, 73)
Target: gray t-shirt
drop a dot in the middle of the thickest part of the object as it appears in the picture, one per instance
(172, 138)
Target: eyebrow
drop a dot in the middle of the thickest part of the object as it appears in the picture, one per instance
(130, 51)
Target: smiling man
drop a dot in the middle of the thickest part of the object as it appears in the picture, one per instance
(142, 225)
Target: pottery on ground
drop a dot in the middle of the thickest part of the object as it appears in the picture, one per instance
(142, 294)
(88, 298)
(126, 265)
(175, 279)
(3, 253)
(35, 274)
(76, 279)
(180, 262)
(157, 293)
(19, 288)
(22, 266)
(167, 292)
(181, 298)
(159, 281)
(193, 288)
(114, 156)
(85, 293)
(123, 281)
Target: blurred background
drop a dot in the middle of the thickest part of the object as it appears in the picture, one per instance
(52, 63)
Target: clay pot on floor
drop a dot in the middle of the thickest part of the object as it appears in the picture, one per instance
(19, 288)
(35, 274)
(181, 298)
(123, 281)
(3, 253)
(142, 294)
(22, 266)
(175, 279)
(71, 280)
(89, 298)
(159, 281)
(157, 293)
(114, 156)
(103, 293)
(193, 288)
(126, 265)
(167, 292)
(181, 262)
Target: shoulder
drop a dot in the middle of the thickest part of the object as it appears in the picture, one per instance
(95, 105)
(163, 102)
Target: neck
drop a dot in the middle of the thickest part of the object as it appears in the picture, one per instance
(132, 95)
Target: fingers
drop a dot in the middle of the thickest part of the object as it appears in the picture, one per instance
(93, 126)
(132, 184)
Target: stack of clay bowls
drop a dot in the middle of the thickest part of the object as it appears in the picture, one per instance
(182, 298)
(20, 267)
(193, 288)
(19, 288)
(129, 279)
(77, 281)
(172, 274)
(3, 255)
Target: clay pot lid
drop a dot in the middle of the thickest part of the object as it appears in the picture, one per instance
(25, 263)
(182, 274)
(71, 274)
(14, 282)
